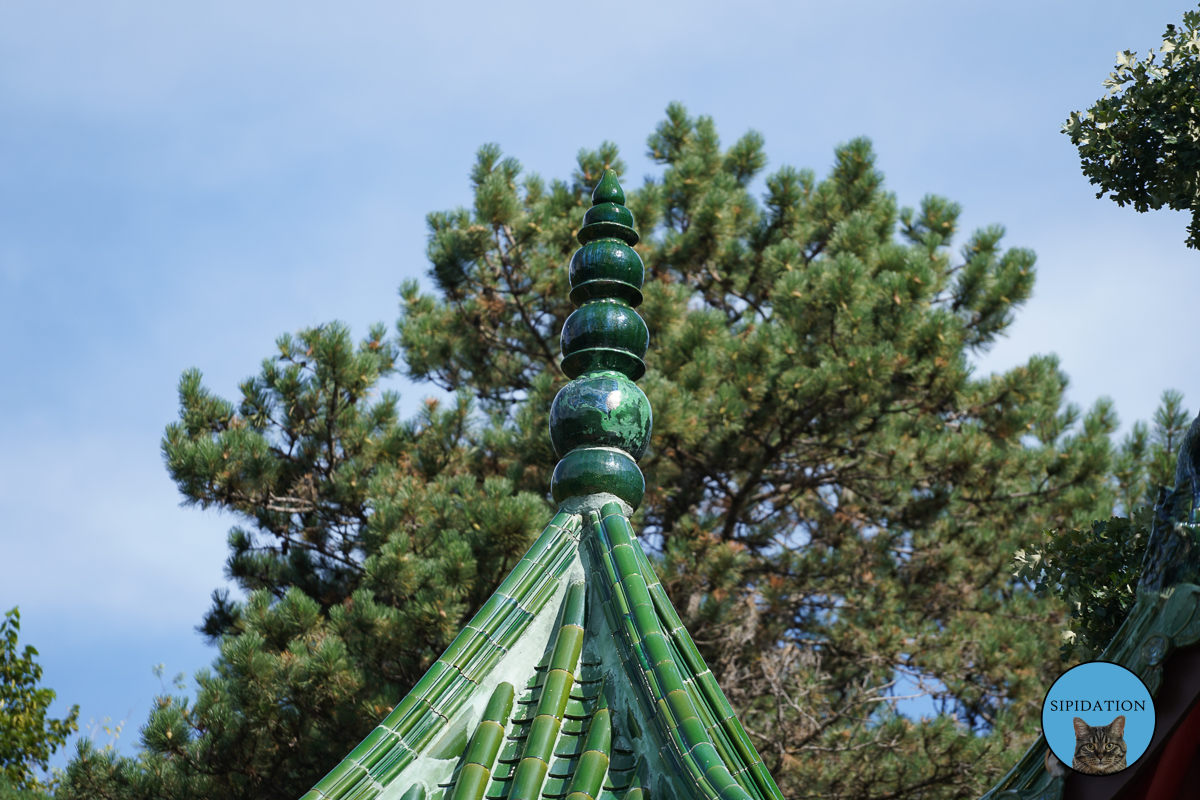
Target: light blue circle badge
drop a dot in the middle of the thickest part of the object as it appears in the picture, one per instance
(1098, 718)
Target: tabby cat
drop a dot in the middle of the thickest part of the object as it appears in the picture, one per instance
(1099, 750)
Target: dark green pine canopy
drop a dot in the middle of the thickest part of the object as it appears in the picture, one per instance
(577, 679)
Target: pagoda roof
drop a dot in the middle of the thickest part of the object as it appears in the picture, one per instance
(576, 679)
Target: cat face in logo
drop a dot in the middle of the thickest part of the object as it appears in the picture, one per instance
(1100, 749)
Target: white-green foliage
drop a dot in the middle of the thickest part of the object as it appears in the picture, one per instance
(1140, 143)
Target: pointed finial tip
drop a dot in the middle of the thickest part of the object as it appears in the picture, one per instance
(608, 190)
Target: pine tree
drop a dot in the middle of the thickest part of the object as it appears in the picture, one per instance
(365, 542)
(833, 494)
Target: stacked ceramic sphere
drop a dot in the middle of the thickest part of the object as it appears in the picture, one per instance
(600, 421)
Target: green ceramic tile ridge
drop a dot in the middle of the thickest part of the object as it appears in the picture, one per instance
(485, 746)
(672, 678)
(556, 691)
(404, 740)
(637, 788)
(593, 763)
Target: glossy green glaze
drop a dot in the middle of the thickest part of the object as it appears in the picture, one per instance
(601, 409)
(607, 258)
(682, 693)
(600, 423)
(590, 773)
(372, 748)
(571, 638)
(543, 733)
(603, 288)
(607, 230)
(608, 217)
(608, 190)
(480, 756)
(604, 359)
(606, 268)
(587, 470)
(472, 782)
(527, 782)
(500, 704)
(574, 612)
(599, 736)
(594, 762)
(604, 323)
(344, 774)
(485, 744)
(608, 212)
(555, 694)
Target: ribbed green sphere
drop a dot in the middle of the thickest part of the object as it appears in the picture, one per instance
(601, 409)
(607, 268)
(607, 229)
(608, 212)
(592, 470)
(604, 334)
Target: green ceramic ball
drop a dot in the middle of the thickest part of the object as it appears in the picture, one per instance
(592, 470)
(605, 323)
(601, 409)
(606, 268)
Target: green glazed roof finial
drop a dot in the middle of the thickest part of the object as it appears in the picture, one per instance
(594, 689)
(580, 705)
(600, 422)
(608, 190)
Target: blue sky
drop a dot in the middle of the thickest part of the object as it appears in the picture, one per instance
(180, 185)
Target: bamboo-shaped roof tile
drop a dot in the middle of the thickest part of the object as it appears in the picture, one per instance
(577, 679)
